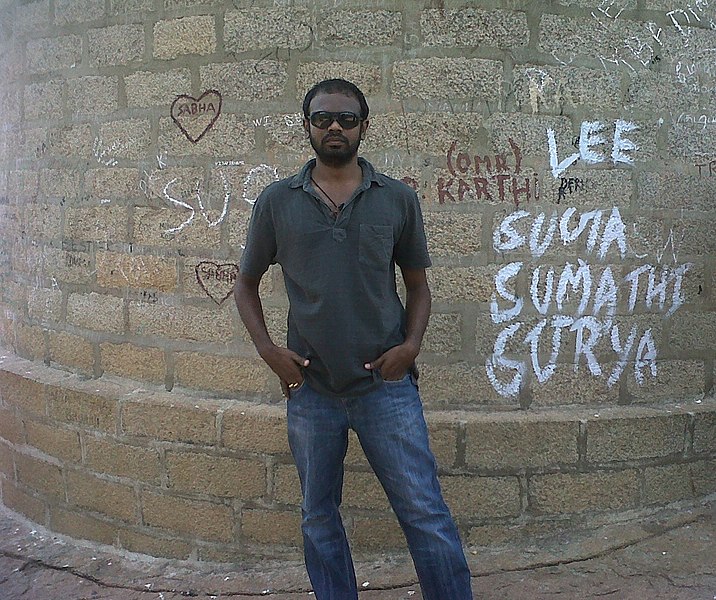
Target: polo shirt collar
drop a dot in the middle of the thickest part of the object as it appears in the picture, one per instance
(370, 175)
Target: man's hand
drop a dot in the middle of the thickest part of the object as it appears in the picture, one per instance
(393, 364)
(287, 365)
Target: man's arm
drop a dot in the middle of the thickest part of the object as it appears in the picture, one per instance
(284, 362)
(396, 361)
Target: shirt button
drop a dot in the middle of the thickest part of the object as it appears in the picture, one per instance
(339, 235)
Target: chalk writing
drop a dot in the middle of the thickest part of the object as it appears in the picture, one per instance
(488, 177)
(290, 120)
(703, 120)
(195, 116)
(577, 298)
(202, 208)
(590, 137)
(217, 280)
(100, 151)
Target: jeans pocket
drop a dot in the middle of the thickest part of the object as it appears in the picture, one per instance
(397, 381)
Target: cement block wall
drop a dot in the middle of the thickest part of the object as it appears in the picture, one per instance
(565, 158)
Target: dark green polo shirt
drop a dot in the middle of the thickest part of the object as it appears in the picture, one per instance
(339, 273)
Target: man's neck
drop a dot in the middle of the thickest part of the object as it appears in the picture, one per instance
(349, 172)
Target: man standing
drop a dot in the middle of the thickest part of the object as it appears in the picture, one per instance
(338, 228)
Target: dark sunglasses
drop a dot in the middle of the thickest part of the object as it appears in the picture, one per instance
(323, 119)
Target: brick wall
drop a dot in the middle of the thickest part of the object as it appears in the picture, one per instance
(563, 155)
(565, 159)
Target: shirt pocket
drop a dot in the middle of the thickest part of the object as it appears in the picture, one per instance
(375, 246)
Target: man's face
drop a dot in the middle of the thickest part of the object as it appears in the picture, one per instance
(335, 146)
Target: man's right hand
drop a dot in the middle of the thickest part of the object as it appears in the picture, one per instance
(287, 365)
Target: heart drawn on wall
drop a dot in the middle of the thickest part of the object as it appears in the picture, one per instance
(216, 280)
(195, 116)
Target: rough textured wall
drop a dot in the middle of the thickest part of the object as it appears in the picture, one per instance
(563, 151)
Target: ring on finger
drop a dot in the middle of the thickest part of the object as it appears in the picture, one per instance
(293, 385)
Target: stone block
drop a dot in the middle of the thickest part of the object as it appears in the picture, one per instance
(704, 432)
(230, 136)
(367, 77)
(93, 410)
(693, 332)
(563, 89)
(222, 476)
(78, 11)
(43, 221)
(45, 304)
(96, 311)
(69, 141)
(7, 467)
(399, 134)
(134, 541)
(105, 497)
(452, 234)
(129, 139)
(161, 417)
(666, 190)
(128, 7)
(462, 284)
(437, 77)
(272, 527)
(674, 380)
(506, 441)
(30, 342)
(117, 270)
(567, 387)
(71, 351)
(82, 526)
(246, 79)
(671, 483)
(361, 28)
(226, 375)
(23, 184)
(92, 95)
(135, 362)
(115, 45)
(567, 37)
(459, 384)
(32, 17)
(633, 438)
(695, 237)
(267, 28)
(363, 491)
(185, 35)
(28, 395)
(193, 517)
(63, 444)
(149, 88)
(564, 493)
(703, 476)
(474, 27)
(444, 433)
(96, 223)
(444, 334)
(11, 428)
(173, 228)
(62, 184)
(109, 456)
(69, 266)
(39, 475)
(111, 183)
(470, 496)
(377, 534)
(286, 485)
(180, 322)
(43, 100)
(20, 501)
(256, 428)
(51, 54)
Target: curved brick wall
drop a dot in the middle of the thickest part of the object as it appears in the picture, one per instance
(565, 158)
(171, 475)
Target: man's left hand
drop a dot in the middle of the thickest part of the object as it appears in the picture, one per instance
(393, 364)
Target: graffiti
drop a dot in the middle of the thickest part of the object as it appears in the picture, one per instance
(570, 185)
(101, 151)
(77, 260)
(579, 299)
(488, 177)
(202, 209)
(711, 165)
(290, 120)
(195, 116)
(683, 17)
(217, 280)
(257, 179)
(703, 120)
(588, 138)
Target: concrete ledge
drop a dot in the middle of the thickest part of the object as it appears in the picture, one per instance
(181, 476)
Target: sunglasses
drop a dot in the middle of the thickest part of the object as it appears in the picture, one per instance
(323, 119)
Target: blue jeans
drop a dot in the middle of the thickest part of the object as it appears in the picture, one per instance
(391, 428)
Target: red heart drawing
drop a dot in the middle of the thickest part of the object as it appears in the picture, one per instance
(195, 116)
(216, 280)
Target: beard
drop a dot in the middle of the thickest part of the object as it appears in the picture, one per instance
(335, 157)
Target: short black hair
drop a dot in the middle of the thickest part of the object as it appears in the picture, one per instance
(336, 86)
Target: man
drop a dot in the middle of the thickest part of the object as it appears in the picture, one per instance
(338, 228)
